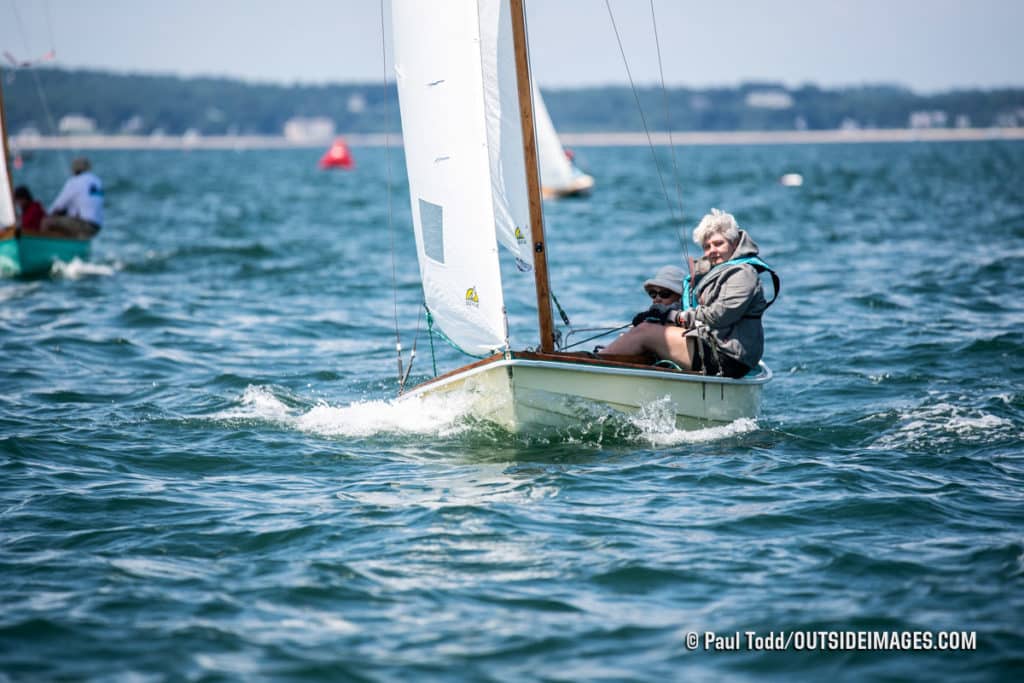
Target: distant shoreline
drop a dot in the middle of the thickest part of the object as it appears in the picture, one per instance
(244, 142)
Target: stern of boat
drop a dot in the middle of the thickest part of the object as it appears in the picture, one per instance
(38, 253)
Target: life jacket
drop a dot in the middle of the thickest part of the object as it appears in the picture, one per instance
(690, 295)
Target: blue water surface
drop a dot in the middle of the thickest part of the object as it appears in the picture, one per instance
(203, 475)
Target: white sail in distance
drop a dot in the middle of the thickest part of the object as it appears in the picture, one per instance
(555, 170)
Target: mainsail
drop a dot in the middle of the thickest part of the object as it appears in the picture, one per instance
(463, 148)
(7, 217)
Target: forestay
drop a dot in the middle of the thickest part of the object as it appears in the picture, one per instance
(463, 148)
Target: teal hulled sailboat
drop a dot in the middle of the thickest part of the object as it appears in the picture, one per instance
(23, 252)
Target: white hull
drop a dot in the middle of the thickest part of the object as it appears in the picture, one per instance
(523, 395)
(580, 184)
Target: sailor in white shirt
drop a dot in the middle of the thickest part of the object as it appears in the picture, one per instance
(78, 209)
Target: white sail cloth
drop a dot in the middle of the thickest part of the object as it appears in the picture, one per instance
(7, 217)
(464, 158)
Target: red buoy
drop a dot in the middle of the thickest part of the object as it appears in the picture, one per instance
(338, 156)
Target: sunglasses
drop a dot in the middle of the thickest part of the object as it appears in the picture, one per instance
(661, 293)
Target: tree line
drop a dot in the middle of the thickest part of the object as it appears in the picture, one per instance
(154, 104)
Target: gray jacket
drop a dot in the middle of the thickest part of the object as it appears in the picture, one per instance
(730, 302)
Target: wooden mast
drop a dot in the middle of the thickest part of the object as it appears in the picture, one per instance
(540, 260)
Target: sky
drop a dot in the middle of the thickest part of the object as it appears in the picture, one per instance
(926, 45)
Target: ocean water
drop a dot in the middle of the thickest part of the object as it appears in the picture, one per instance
(204, 476)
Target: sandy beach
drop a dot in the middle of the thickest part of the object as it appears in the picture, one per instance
(659, 138)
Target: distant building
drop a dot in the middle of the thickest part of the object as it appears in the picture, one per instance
(309, 130)
(28, 133)
(700, 102)
(928, 119)
(76, 124)
(132, 126)
(1010, 119)
(356, 103)
(769, 99)
(1006, 119)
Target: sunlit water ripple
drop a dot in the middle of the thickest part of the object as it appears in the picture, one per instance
(205, 477)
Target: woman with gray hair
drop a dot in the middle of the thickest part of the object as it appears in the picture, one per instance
(718, 331)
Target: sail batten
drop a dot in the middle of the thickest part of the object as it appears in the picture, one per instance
(460, 131)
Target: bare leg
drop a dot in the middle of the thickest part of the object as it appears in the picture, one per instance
(664, 341)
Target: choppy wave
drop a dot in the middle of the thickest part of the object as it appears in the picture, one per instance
(944, 423)
(204, 472)
(439, 416)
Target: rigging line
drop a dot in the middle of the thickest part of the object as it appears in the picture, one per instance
(49, 23)
(647, 130)
(412, 357)
(668, 125)
(391, 227)
(596, 336)
(61, 154)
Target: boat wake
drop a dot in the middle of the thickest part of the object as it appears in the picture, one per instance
(437, 417)
(676, 437)
(427, 416)
(77, 269)
(656, 425)
(452, 416)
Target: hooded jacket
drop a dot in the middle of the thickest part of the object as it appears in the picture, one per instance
(730, 301)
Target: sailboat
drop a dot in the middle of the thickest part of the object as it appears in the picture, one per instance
(23, 252)
(559, 176)
(462, 71)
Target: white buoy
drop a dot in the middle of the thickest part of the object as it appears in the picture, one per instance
(792, 180)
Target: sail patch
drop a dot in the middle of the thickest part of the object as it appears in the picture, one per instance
(432, 227)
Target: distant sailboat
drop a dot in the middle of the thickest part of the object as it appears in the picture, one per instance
(23, 252)
(559, 176)
(464, 88)
(338, 156)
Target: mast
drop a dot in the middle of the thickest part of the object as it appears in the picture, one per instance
(540, 261)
